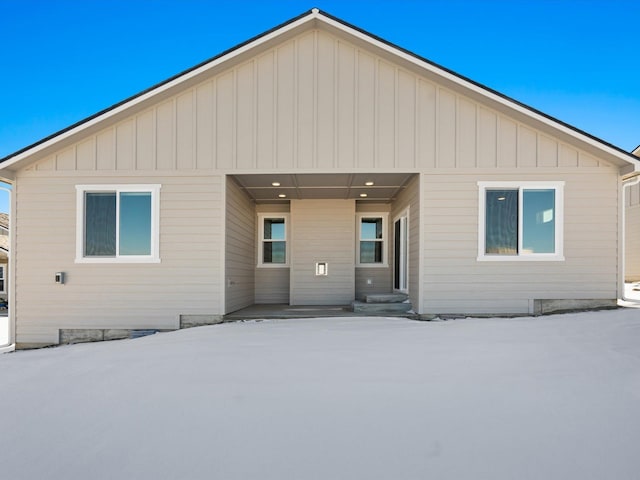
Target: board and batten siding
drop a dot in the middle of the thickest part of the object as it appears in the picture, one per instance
(240, 262)
(454, 281)
(316, 102)
(117, 295)
(322, 231)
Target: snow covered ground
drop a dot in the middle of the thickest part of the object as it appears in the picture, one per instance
(553, 397)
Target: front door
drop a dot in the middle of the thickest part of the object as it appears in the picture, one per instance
(400, 253)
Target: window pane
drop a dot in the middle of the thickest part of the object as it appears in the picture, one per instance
(274, 229)
(371, 252)
(538, 221)
(100, 224)
(135, 223)
(501, 222)
(371, 229)
(274, 252)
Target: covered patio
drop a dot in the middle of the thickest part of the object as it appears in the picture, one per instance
(256, 312)
(310, 244)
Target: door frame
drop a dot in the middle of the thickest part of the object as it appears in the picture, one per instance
(401, 252)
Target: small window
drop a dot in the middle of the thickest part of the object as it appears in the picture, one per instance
(372, 233)
(273, 240)
(520, 221)
(117, 223)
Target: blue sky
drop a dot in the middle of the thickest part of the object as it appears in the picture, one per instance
(64, 60)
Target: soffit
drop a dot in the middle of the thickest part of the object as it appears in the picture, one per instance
(385, 188)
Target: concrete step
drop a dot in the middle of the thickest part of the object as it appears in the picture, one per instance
(375, 308)
(385, 298)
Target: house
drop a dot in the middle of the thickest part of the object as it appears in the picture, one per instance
(312, 165)
(632, 229)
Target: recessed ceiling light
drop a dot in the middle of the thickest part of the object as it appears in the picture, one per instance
(363, 195)
(282, 195)
(369, 183)
(275, 184)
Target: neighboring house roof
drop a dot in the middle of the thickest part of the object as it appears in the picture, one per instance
(4, 221)
(308, 20)
(636, 152)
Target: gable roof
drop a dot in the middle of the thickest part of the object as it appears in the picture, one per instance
(316, 18)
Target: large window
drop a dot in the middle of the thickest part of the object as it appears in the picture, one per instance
(117, 223)
(372, 234)
(273, 240)
(3, 288)
(520, 221)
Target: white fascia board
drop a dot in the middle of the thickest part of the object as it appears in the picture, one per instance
(477, 89)
(158, 90)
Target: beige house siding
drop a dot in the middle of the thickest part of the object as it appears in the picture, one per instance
(322, 231)
(410, 199)
(380, 277)
(240, 247)
(373, 280)
(272, 284)
(150, 295)
(632, 233)
(316, 102)
(456, 282)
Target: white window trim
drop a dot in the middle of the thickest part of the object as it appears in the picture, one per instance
(385, 235)
(404, 214)
(4, 278)
(154, 257)
(558, 256)
(261, 219)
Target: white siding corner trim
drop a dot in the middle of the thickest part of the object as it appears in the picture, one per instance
(154, 256)
(522, 256)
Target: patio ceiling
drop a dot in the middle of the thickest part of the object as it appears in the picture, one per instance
(269, 188)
